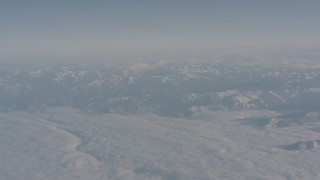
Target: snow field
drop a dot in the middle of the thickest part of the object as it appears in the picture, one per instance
(65, 143)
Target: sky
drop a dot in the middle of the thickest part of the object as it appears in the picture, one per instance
(75, 27)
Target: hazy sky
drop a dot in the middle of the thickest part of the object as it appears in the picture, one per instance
(53, 27)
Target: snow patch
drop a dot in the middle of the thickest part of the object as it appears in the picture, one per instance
(303, 146)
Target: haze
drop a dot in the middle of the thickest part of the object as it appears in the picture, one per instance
(78, 28)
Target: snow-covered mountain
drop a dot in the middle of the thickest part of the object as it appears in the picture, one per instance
(159, 121)
(165, 89)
